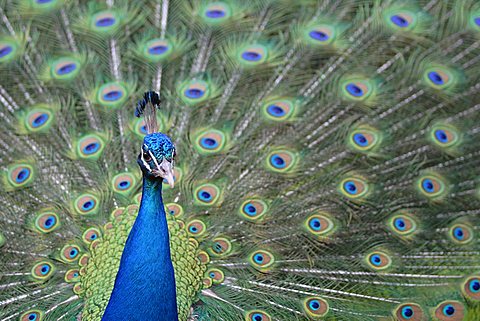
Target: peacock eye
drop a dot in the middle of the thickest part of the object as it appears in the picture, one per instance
(146, 157)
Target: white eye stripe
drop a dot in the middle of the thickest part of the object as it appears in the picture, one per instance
(145, 163)
(154, 160)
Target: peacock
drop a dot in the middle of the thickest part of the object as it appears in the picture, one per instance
(260, 160)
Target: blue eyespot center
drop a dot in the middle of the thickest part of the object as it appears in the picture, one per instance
(318, 35)
(258, 258)
(257, 317)
(113, 95)
(88, 205)
(157, 50)
(50, 221)
(66, 69)
(276, 111)
(441, 136)
(43, 1)
(22, 175)
(376, 259)
(474, 285)
(354, 90)
(250, 210)
(360, 140)
(350, 187)
(477, 21)
(73, 252)
(400, 224)
(277, 161)
(407, 312)
(32, 317)
(212, 275)
(93, 236)
(314, 305)
(215, 14)
(105, 22)
(458, 233)
(45, 269)
(428, 186)
(40, 120)
(91, 148)
(449, 310)
(193, 229)
(435, 78)
(218, 247)
(399, 21)
(251, 56)
(124, 185)
(5, 51)
(194, 93)
(205, 196)
(315, 224)
(208, 143)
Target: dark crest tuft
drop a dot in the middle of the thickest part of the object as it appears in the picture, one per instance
(148, 107)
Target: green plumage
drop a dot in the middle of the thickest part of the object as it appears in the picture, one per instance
(327, 155)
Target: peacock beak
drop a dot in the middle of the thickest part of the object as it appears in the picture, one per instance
(165, 170)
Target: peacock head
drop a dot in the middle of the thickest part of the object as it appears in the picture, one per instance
(157, 158)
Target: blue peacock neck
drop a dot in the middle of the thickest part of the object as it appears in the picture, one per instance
(145, 284)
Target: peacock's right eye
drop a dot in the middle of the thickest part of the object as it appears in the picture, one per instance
(147, 157)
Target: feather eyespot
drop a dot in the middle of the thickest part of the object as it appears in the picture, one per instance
(70, 253)
(86, 204)
(216, 275)
(20, 175)
(439, 77)
(354, 187)
(46, 222)
(158, 49)
(432, 186)
(378, 260)
(220, 247)
(90, 146)
(210, 142)
(444, 136)
(281, 161)
(206, 194)
(42, 270)
(90, 235)
(461, 233)
(216, 13)
(174, 209)
(471, 287)
(195, 91)
(105, 22)
(409, 312)
(39, 120)
(319, 224)
(278, 109)
(450, 311)
(196, 228)
(64, 69)
(261, 260)
(253, 55)
(72, 276)
(8, 50)
(357, 89)
(364, 138)
(32, 315)
(203, 257)
(402, 224)
(253, 209)
(124, 183)
(257, 315)
(315, 307)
